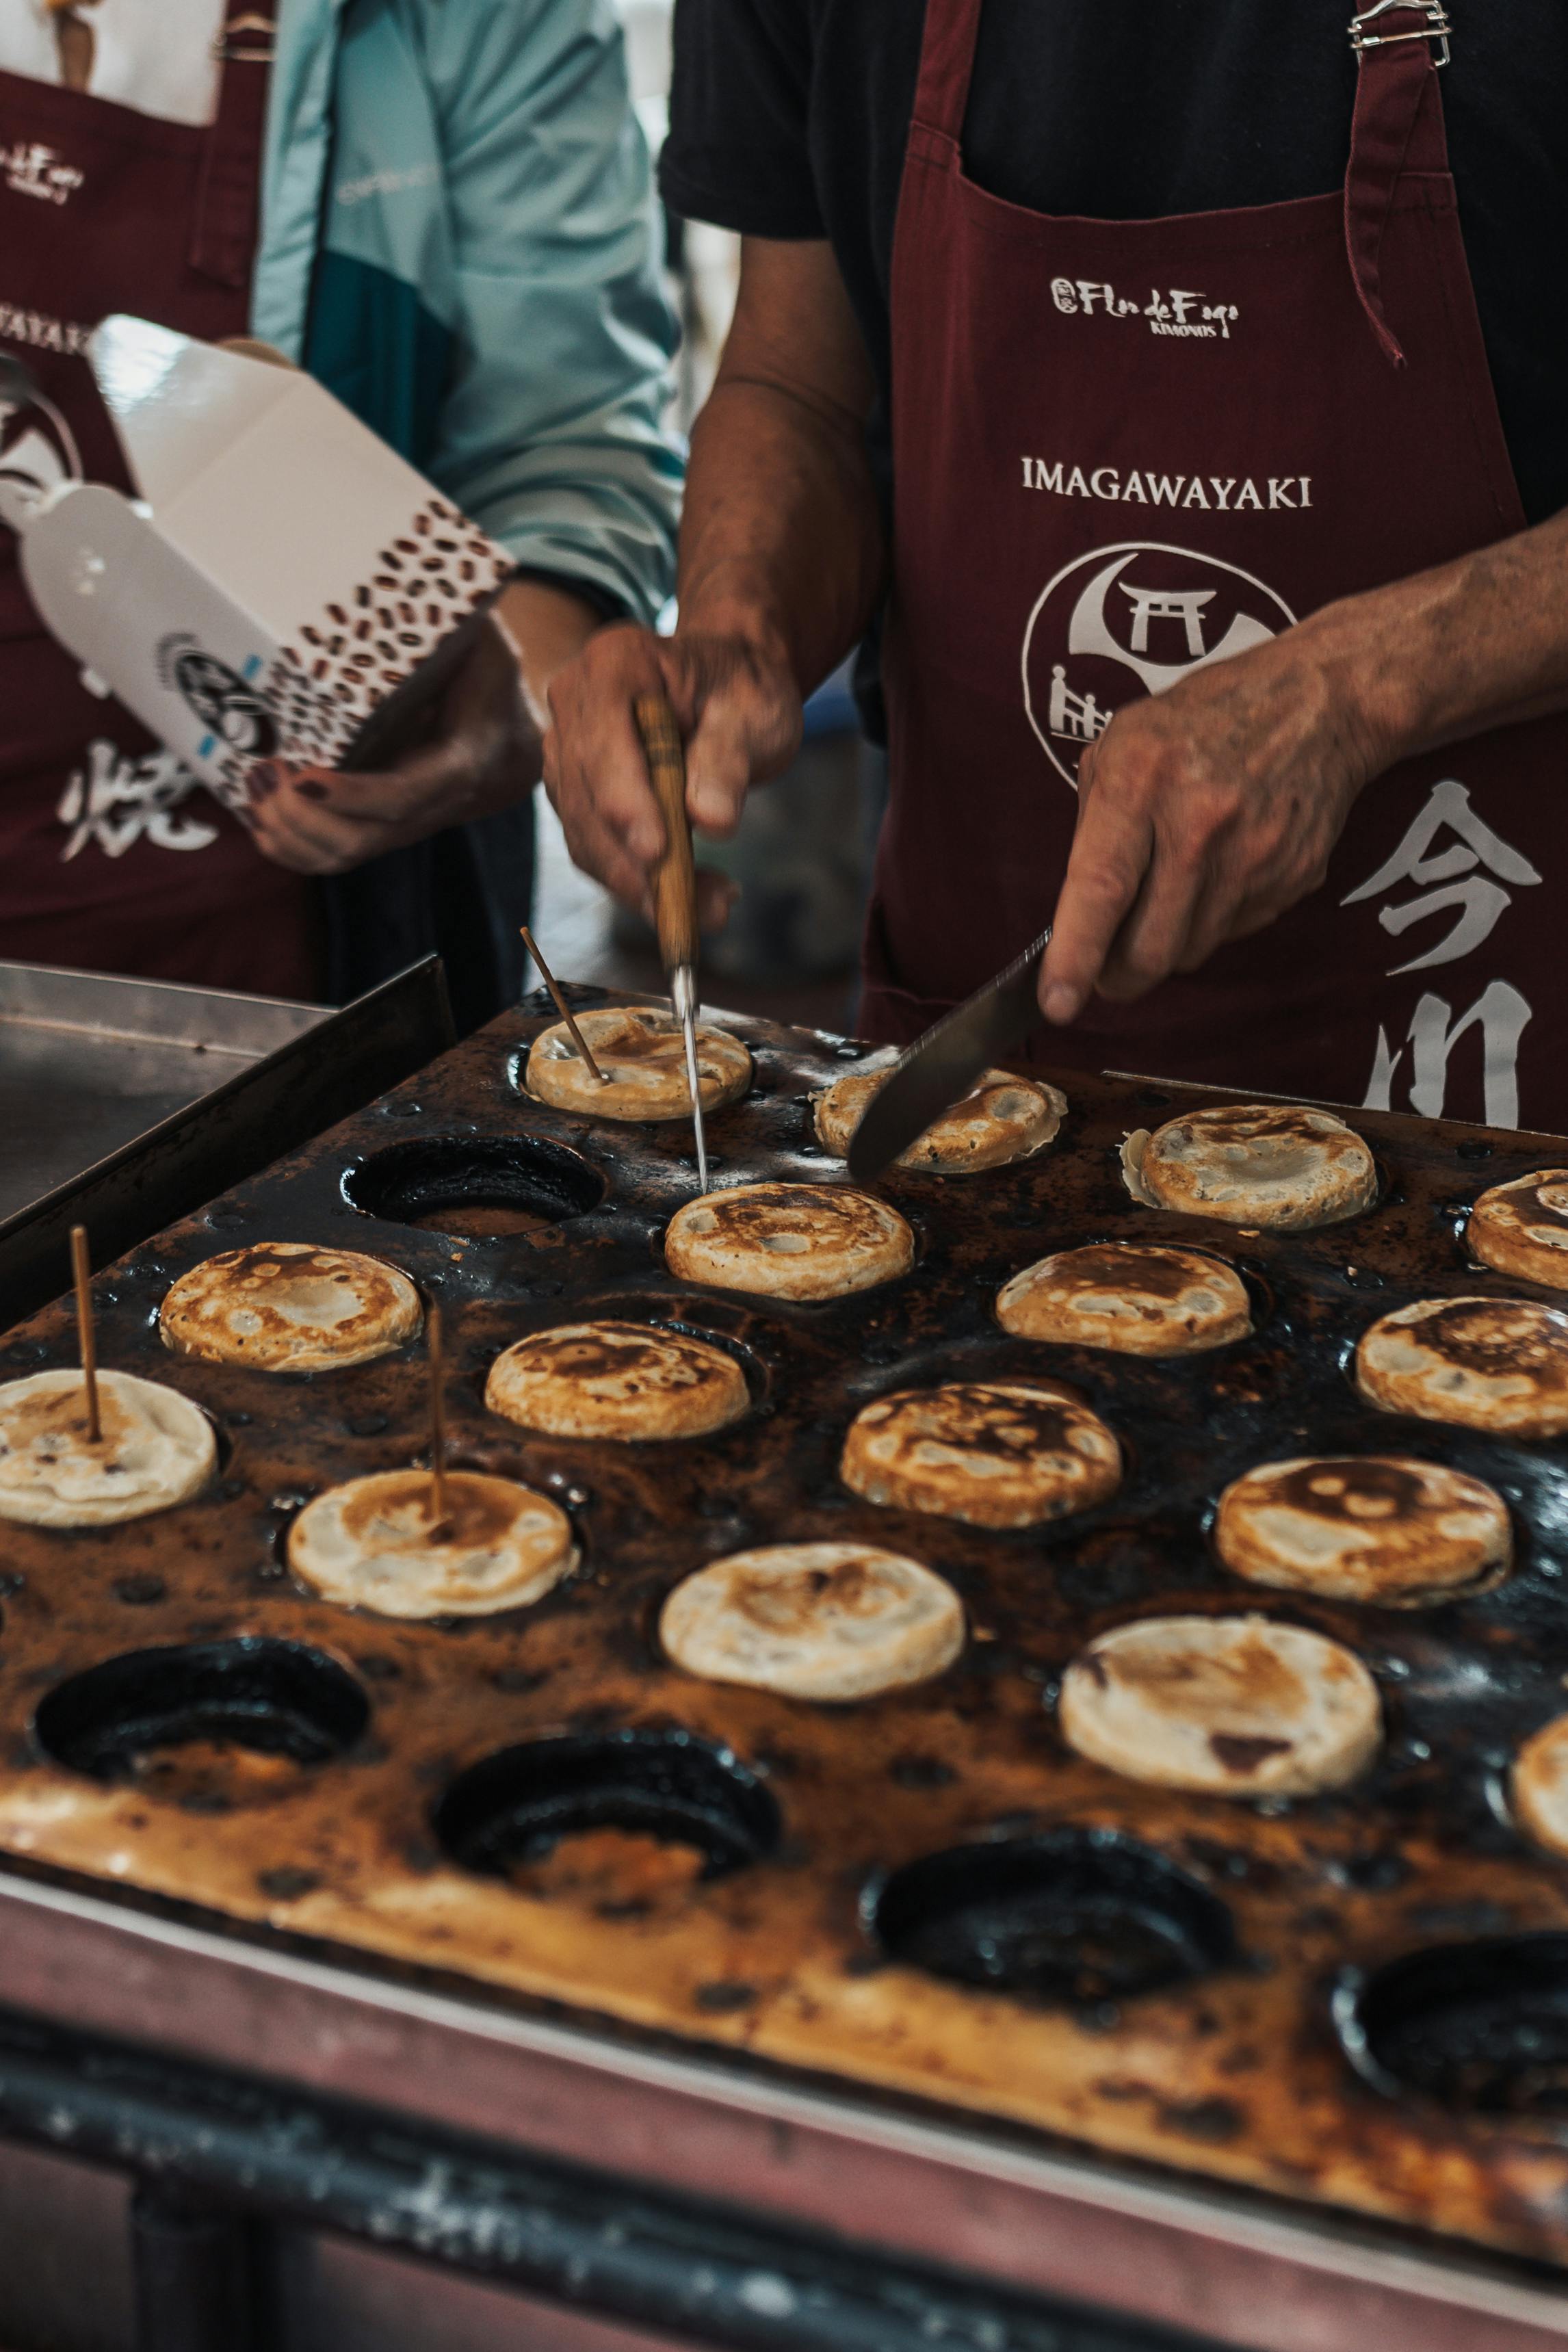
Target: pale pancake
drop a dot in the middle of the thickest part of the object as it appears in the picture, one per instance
(994, 1454)
(1538, 1787)
(156, 1449)
(1225, 1707)
(1500, 1364)
(371, 1545)
(1522, 1228)
(1377, 1527)
(642, 1054)
(1135, 1298)
(824, 1621)
(617, 1379)
(288, 1306)
(1004, 1119)
(789, 1241)
(1254, 1164)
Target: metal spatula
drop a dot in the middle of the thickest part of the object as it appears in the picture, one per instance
(675, 891)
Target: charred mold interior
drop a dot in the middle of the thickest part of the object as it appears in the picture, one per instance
(276, 1699)
(482, 1188)
(1480, 2028)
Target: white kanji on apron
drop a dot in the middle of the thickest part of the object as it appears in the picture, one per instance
(1451, 878)
(118, 797)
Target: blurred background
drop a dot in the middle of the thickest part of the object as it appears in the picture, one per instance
(801, 857)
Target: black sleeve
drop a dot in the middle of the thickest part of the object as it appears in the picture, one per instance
(737, 152)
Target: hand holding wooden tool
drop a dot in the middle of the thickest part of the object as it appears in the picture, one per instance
(87, 1338)
(675, 891)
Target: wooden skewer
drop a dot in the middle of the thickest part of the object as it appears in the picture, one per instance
(81, 1277)
(436, 1509)
(562, 1006)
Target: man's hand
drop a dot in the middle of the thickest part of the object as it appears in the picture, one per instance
(484, 754)
(737, 704)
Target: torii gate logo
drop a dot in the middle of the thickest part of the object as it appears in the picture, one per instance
(1125, 617)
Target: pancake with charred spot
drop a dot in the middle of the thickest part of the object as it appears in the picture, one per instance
(608, 1379)
(288, 1306)
(642, 1054)
(1005, 1119)
(1522, 1228)
(994, 1454)
(815, 1620)
(789, 1241)
(155, 1448)
(1372, 1528)
(1136, 1298)
(1498, 1364)
(1264, 1164)
(372, 1544)
(1225, 1707)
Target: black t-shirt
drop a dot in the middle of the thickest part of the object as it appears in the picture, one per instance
(789, 119)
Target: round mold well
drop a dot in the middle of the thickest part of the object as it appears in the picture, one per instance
(515, 1805)
(1081, 1917)
(209, 1724)
(477, 1187)
(1478, 2028)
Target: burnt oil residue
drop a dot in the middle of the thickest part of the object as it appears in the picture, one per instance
(543, 1803)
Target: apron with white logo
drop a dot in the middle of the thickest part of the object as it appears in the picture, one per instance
(111, 857)
(1126, 448)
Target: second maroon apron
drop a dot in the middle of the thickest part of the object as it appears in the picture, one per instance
(1125, 448)
(111, 857)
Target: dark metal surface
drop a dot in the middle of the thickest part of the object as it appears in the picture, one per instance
(940, 1068)
(1234, 2074)
(264, 1108)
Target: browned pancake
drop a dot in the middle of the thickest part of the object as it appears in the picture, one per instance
(154, 1448)
(642, 1056)
(1522, 1228)
(288, 1306)
(789, 1241)
(617, 1379)
(1004, 1119)
(376, 1543)
(1263, 1164)
(1487, 1363)
(1539, 1785)
(1373, 1527)
(821, 1621)
(1135, 1298)
(994, 1454)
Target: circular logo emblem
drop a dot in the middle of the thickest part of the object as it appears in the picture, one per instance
(1132, 619)
(223, 701)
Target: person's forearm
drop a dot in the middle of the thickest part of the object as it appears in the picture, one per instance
(1475, 644)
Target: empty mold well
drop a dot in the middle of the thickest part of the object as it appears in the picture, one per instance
(481, 1188)
(1481, 2028)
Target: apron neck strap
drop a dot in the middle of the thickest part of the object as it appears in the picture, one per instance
(228, 194)
(947, 61)
(1398, 127)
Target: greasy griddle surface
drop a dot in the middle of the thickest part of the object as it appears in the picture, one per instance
(1239, 2076)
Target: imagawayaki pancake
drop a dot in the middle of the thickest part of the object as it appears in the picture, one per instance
(372, 1544)
(1487, 1363)
(993, 1453)
(1225, 1707)
(617, 1379)
(1004, 1119)
(1374, 1528)
(1136, 1298)
(819, 1620)
(1263, 1164)
(156, 1449)
(642, 1054)
(1538, 1786)
(1522, 1228)
(789, 1241)
(289, 1307)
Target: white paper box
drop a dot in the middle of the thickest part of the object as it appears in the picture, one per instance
(287, 586)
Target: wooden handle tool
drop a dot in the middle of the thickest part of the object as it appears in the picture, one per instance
(675, 891)
(564, 1010)
(81, 1282)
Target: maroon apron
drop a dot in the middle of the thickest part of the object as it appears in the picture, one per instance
(111, 857)
(1123, 449)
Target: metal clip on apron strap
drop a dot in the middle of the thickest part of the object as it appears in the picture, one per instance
(229, 199)
(1398, 127)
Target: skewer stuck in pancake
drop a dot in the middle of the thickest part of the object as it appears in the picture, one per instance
(1263, 1164)
(817, 1620)
(627, 1380)
(1522, 1228)
(370, 1544)
(994, 1454)
(789, 1241)
(1375, 1527)
(1004, 1119)
(288, 1306)
(1135, 1298)
(156, 1449)
(1224, 1706)
(642, 1054)
(1498, 1364)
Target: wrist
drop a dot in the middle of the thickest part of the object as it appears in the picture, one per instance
(1369, 651)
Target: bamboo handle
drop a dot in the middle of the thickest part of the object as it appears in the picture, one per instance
(675, 882)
